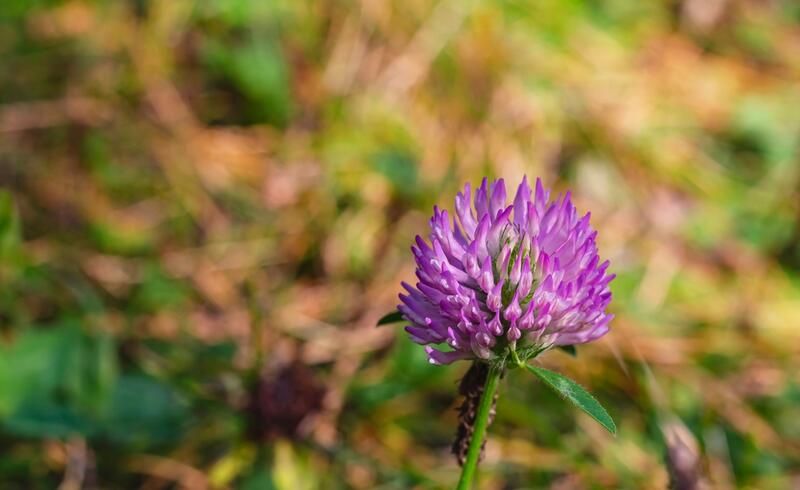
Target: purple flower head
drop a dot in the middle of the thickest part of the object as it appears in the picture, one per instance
(524, 276)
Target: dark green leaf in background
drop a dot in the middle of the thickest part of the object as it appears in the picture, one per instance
(258, 70)
(56, 380)
(569, 349)
(144, 411)
(400, 168)
(393, 317)
(47, 419)
(9, 225)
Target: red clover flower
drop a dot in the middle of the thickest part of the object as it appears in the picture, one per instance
(499, 284)
(524, 277)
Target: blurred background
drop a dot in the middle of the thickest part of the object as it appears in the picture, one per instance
(206, 206)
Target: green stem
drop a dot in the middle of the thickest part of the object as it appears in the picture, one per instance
(481, 423)
(516, 359)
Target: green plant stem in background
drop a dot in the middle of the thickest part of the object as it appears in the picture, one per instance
(481, 423)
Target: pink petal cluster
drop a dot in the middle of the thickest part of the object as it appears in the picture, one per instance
(497, 276)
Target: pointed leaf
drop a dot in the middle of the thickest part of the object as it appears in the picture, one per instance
(569, 349)
(393, 317)
(573, 392)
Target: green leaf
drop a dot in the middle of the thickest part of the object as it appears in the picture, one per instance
(573, 392)
(46, 419)
(258, 69)
(56, 380)
(260, 480)
(9, 225)
(393, 317)
(145, 411)
(569, 349)
(400, 168)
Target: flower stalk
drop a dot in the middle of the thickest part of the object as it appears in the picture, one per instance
(500, 284)
(481, 423)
